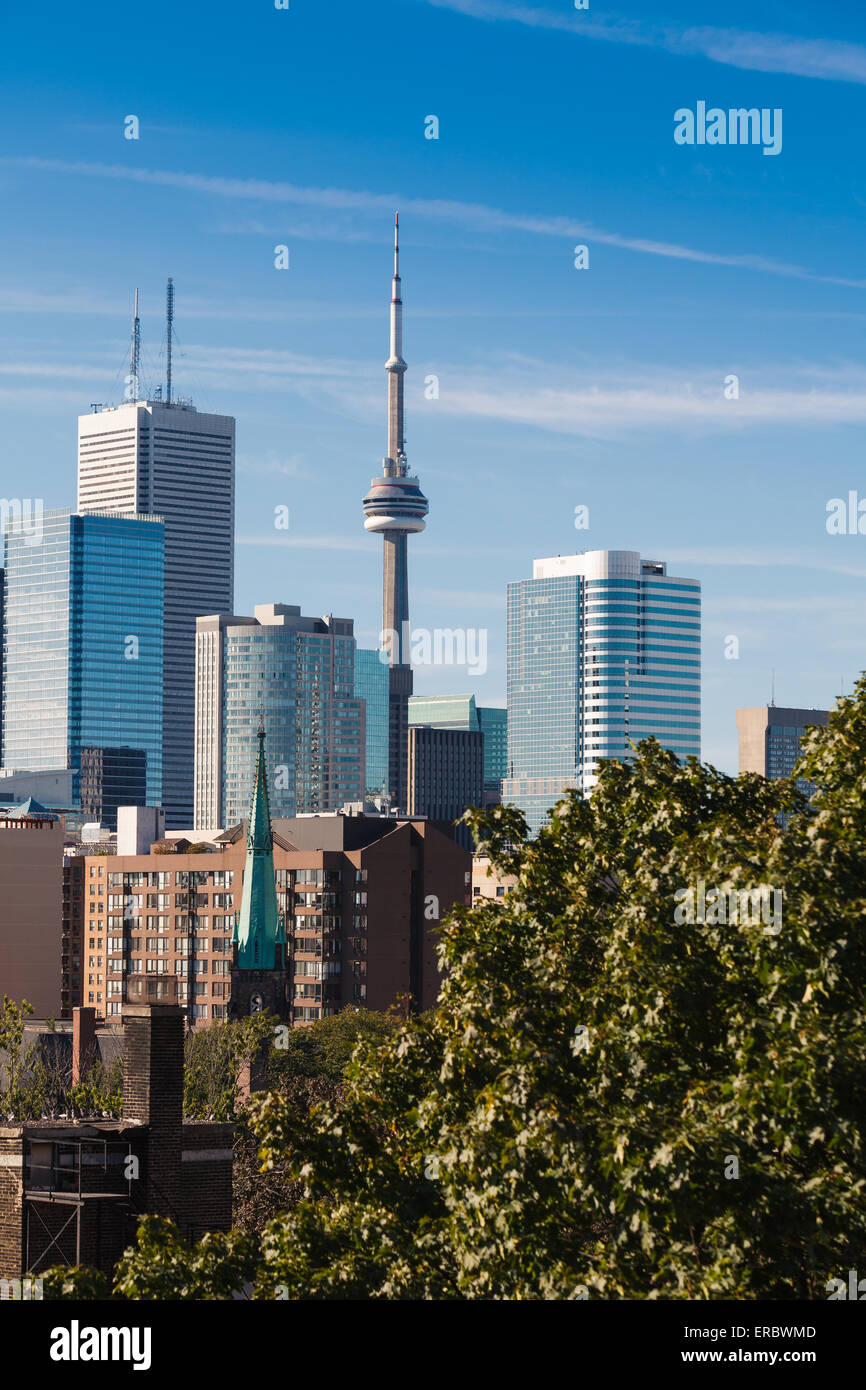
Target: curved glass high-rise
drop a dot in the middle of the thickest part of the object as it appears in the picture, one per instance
(604, 649)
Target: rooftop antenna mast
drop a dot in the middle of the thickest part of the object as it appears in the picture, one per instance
(773, 687)
(169, 329)
(135, 351)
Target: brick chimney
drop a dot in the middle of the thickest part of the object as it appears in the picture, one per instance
(83, 1042)
(153, 1092)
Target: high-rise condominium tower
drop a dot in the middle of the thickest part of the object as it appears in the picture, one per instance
(603, 650)
(298, 675)
(168, 459)
(396, 507)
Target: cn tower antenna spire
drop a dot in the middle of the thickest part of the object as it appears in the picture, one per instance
(395, 508)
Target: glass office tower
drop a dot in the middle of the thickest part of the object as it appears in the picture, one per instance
(603, 651)
(493, 723)
(371, 685)
(83, 655)
(461, 712)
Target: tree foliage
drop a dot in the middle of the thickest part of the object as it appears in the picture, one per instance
(37, 1078)
(606, 1100)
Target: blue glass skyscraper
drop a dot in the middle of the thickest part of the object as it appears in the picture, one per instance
(603, 651)
(83, 655)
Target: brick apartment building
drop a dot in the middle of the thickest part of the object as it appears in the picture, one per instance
(71, 1192)
(361, 897)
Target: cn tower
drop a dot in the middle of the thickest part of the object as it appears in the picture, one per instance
(395, 506)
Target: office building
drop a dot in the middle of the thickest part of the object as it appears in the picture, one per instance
(297, 673)
(54, 787)
(461, 712)
(770, 737)
(395, 508)
(603, 650)
(83, 658)
(31, 886)
(371, 686)
(169, 460)
(493, 723)
(446, 774)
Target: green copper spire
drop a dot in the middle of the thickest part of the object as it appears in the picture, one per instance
(258, 928)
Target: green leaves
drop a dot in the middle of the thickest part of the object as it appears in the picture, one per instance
(704, 1140)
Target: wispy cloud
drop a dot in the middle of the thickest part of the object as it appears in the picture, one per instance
(271, 464)
(762, 557)
(477, 215)
(832, 60)
(613, 403)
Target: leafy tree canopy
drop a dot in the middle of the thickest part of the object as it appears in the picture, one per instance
(608, 1098)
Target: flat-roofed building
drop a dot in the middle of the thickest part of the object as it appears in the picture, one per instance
(361, 898)
(31, 906)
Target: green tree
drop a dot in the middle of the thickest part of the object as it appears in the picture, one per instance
(608, 1099)
(213, 1058)
(16, 1058)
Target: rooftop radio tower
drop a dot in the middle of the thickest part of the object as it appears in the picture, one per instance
(135, 352)
(169, 329)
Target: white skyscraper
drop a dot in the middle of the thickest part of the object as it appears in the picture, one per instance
(604, 650)
(169, 460)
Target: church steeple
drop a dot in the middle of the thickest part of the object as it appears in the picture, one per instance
(258, 927)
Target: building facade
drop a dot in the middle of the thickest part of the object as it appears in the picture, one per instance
(173, 462)
(354, 892)
(31, 888)
(461, 712)
(446, 774)
(371, 686)
(603, 651)
(770, 738)
(68, 1191)
(298, 674)
(493, 723)
(83, 655)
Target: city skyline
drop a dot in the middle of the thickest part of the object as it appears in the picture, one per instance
(704, 262)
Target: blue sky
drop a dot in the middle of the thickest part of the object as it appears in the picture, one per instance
(558, 387)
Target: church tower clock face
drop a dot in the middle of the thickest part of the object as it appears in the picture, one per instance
(256, 1003)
